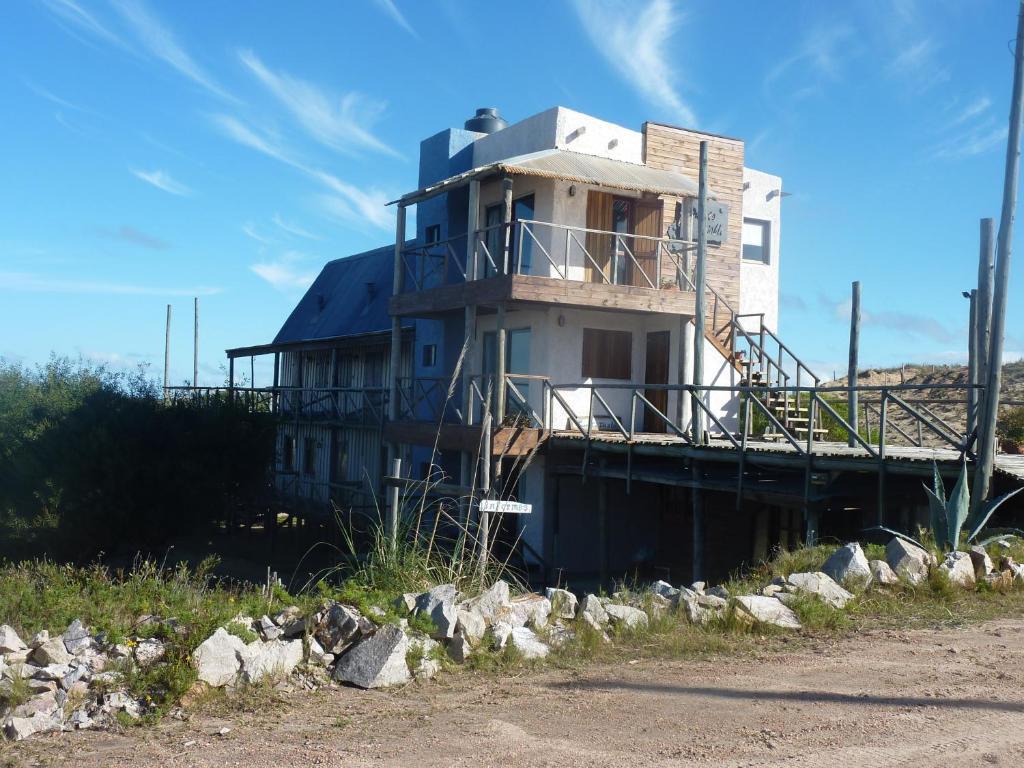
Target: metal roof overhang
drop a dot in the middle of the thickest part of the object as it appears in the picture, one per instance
(307, 345)
(569, 166)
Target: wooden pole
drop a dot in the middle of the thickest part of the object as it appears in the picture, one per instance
(696, 417)
(851, 372)
(986, 449)
(195, 343)
(506, 220)
(391, 525)
(681, 399)
(484, 533)
(167, 351)
(697, 500)
(972, 364)
(472, 225)
(602, 523)
(398, 278)
(983, 307)
(502, 362)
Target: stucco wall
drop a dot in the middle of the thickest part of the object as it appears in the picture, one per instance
(759, 283)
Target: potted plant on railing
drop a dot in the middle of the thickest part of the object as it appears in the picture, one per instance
(1011, 430)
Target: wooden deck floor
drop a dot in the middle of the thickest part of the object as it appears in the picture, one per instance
(897, 457)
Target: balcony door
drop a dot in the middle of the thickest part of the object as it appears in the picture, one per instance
(517, 360)
(645, 251)
(656, 372)
(610, 260)
(521, 255)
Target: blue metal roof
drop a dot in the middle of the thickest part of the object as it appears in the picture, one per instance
(348, 298)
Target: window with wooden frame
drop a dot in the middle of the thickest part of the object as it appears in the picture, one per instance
(607, 354)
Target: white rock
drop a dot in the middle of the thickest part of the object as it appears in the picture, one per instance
(959, 568)
(717, 591)
(530, 646)
(626, 616)
(563, 603)
(217, 658)
(471, 625)
(51, 651)
(459, 649)
(275, 659)
(882, 574)
(427, 666)
(528, 610)
(39, 638)
(664, 589)
(491, 602)
(119, 701)
(822, 586)
(908, 561)
(698, 587)
(766, 610)
(341, 626)
(982, 562)
(848, 565)
(439, 604)
(268, 629)
(18, 728)
(149, 651)
(80, 720)
(592, 604)
(317, 654)
(501, 631)
(708, 600)
(376, 662)
(9, 640)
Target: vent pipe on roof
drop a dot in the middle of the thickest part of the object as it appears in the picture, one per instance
(486, 120)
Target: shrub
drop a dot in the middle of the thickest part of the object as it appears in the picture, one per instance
(1011, 425)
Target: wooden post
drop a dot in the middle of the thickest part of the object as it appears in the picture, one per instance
(972, 365)
(851, 374)
(506, 220)
(472, 225)
(697, 500)
(274, 399)
(195, 344)
(484, 533)
(398, 278)
(167, 350)
(466, 459)
(986, 449)
(697, 416)
(231, 380)
(682, 399)
(499, 385)
(983, 307)
(394, 496)
(602, 522)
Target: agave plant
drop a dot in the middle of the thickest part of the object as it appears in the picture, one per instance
(948, 517)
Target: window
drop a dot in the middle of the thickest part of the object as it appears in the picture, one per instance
(288, 453)
(429, 355)
(309, 457)
(433, 233)
(607, 354)
(756, 240)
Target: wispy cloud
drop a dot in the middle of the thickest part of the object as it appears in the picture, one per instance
(37, 283)
(977, 107)
(349, 202)
(289, 273)
(908, 323)
(250, 231)
(135, 236)
(162, 43)
(162, 180)
(792, 301)
(918, 64)
(389, 7)
(970, 131)
(294, 229)
(343, 122)
(81, 20)
(637, 43)
(816, 61)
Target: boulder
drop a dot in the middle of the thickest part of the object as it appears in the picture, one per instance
(981, 561)
(664, 589)
(427, 665)
(148, 652)
(52, 651)
(528, 610)
(1001, 581)
(765, 610)
(625, 616)
(406, 602)
(439, 604)
(9, 640)
(591, 604)
(290, 621)
(563, 603)
(341, 626)
(959, 568)
(717, 591)
(217, 658)
(528, 644)
(882, 575)
(317, 654)
(18, 728)
(376, 662)
(848, 565)
(459, 648)
(698, 587)
(470, 625)
(76, 638)
(490, 603)
(822, 586)
(714, 602)
(908, 561)
(501, 631)
(559, 635)
(274, 659)
(771, 590)
(268, 629)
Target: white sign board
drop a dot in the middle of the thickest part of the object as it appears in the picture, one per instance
(716, 215)
(507, 507)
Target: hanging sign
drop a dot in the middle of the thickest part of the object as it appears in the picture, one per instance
(716, 216)
(506, 507)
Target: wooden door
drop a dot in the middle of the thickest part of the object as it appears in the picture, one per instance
(656, 372)
(599, 216)
(648, 224)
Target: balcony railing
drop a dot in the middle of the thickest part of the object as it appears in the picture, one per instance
(557, 251)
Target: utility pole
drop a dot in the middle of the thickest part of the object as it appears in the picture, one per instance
(195, 344)
(167, 350)
(986, 449)
(983, 310)
(697, 416)
(851, 371)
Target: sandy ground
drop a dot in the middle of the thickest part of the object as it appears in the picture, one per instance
(918, 698)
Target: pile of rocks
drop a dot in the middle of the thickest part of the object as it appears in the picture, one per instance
(72, 680)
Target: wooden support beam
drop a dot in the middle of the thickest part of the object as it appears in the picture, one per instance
(602, 524)
(501, 343)
(972, 365)
(398, 278)
(167, 351)
(697, 501)
(472, 225)
(700, 318)
(986, 277)
(506, 220)
(851, 374)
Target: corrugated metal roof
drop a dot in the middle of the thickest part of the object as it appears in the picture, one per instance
(348, 298)
(572, 166)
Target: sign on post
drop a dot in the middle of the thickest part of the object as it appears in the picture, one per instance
(716, 216)
(506, 507)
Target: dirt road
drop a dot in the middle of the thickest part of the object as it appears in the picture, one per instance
(918, 698)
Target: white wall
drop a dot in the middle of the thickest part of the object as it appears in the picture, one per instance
(759, 283)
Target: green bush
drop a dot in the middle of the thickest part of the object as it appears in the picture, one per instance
(1011, 425)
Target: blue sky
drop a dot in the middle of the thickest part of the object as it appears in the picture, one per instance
(154, 152)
